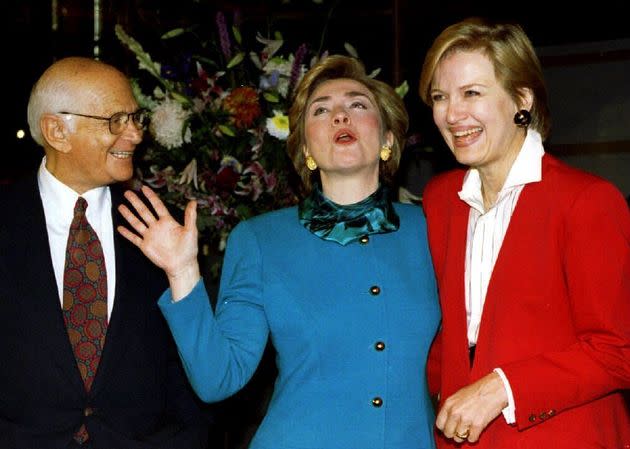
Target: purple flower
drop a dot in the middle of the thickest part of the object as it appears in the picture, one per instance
(224, 37)
(270, 81)
(297, 64)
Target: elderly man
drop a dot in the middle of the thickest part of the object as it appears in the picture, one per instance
(87, 359)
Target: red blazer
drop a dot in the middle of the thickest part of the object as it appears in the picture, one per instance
(557, 313)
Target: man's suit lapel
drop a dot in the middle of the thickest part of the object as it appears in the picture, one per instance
(36, 270)
(127, 318)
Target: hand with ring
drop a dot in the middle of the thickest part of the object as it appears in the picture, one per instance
(463, 435)
(466, 413)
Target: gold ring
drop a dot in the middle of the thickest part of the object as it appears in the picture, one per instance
(464, 435)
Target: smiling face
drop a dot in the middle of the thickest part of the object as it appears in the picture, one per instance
(84, 154)
(343, 131)
(475, 114)
(99, 157)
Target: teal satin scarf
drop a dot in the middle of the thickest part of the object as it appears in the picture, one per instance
(348, 223)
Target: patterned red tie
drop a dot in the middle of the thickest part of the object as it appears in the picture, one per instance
(85, 297)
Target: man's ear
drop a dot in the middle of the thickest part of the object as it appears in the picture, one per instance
(55, 132)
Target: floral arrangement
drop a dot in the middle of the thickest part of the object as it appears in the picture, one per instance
(218, 128)
(219, 124)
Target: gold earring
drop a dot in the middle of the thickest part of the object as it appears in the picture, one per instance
(386, 153)
(310, 163)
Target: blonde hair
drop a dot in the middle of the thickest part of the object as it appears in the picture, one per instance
(512, 54)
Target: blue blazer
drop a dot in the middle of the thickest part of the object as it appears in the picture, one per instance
(351, 326)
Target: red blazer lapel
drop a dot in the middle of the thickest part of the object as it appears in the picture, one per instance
(517, 271)
(448, 221)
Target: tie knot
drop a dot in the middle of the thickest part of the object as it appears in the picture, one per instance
(80, 206)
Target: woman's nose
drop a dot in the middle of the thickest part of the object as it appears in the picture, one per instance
(341, 117)
(454, 112)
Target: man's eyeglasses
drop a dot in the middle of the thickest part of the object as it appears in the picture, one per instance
(118, 121)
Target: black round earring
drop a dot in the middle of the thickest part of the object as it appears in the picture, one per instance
(522, 118)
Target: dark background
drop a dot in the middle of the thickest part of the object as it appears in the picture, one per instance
(389, 34)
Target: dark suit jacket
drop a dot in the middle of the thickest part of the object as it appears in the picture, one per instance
(140, 397)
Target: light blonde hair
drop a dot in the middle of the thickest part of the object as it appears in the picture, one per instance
(512, 54)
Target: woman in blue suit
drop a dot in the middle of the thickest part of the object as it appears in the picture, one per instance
(342, 284)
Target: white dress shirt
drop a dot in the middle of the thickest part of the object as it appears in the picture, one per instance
(486, 231)
(59, 200)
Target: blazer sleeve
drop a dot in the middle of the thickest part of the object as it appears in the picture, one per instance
(220, 351)
(595, 255)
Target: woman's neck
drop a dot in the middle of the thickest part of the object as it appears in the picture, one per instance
(348, 190)
(493, 176)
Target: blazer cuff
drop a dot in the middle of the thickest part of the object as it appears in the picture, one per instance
(166, 298)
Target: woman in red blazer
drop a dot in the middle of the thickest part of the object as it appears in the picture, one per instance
(532, 259)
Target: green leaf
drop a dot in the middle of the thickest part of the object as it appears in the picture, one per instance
(351, 50)
(271, 98)
(180, 98)
(402, 89)
(144, 59)
(244, 211)
(173, 33)
(205, 60)
(226, 130)
(236, 60)
(237, 34)
(375, 73)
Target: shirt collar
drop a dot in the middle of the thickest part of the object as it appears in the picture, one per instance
(59, 198)
(527, 168)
